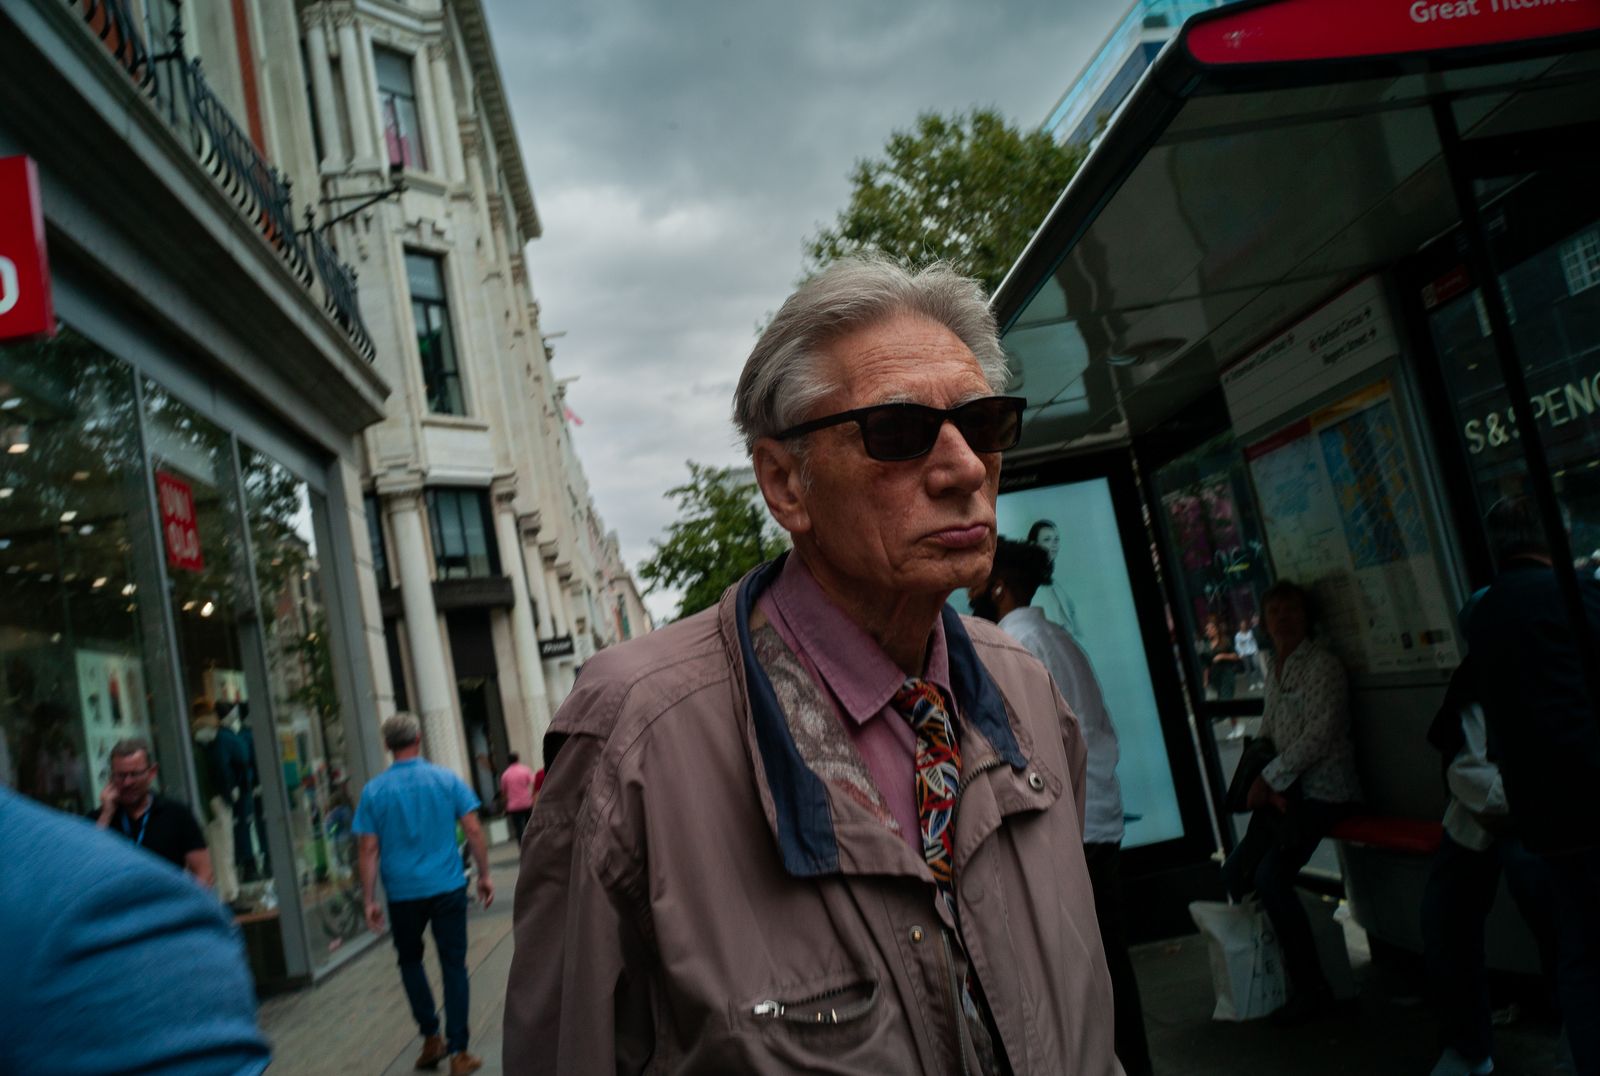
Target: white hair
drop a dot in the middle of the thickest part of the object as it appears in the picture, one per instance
(780, 381)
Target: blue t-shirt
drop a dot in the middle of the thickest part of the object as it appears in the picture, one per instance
(103, 946)
(412, 809)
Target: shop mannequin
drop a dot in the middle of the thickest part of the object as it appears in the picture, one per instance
(210, 771)
(239, 776)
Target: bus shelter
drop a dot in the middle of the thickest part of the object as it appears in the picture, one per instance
(1327, 287)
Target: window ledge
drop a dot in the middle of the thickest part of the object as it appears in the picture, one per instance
(423, 182)
(455, 422)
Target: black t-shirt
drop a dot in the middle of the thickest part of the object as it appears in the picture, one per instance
(168, 829)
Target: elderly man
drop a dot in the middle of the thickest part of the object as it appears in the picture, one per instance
(829, 824)
(406, 821)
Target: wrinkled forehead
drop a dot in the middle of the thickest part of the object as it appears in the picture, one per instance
(906, 358)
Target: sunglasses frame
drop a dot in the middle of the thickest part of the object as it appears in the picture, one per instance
(860, 415)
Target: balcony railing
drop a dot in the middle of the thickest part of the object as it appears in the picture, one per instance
(180, 92)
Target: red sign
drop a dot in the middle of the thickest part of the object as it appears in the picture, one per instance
(1338, 29)
(25, 307)
(178, 523)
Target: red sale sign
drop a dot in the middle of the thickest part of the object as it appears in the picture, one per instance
(25, 306)
(1340, 29)
(178, 523)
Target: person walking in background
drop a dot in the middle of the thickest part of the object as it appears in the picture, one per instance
(1309, 785)
(516, 789)
(163, 827)
(1476, 849)
(406, 822)
(1544, 729)
(1019, 570)
(113, 961)
(1249, 651)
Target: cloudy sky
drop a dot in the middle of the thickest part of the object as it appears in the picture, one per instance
(680, 153)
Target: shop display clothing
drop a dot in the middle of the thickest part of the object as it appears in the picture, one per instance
(98, 942)
(167, 829)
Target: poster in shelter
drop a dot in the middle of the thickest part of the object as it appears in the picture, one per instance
(1344, 515)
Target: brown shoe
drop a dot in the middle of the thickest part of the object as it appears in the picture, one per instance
(463, 1063)
(432, 1053)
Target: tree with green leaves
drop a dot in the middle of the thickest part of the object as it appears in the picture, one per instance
(968, 189)
(722, 531)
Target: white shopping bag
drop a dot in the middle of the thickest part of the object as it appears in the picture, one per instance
(1246, 963)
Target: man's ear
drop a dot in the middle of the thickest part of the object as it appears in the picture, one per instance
(781, 476)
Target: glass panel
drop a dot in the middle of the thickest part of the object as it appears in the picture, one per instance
(477, 542)
(203, 533)
(1547, 238)
(82, 657)
(308, 718)
(1092, 588)
(423, 277)
(1220, 566)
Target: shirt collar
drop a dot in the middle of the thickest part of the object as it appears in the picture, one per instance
(1022, 614)
(861, 676)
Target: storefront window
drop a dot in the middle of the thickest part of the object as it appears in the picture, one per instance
(309, 721)
(1209, 519)
(203, 537)
(80, 653)
(1548, 251)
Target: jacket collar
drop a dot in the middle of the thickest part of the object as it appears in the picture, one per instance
(802, 815)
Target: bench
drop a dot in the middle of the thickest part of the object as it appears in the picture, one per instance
(1414, 835)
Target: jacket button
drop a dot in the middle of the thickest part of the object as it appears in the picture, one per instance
(1035, 782)
(916, 935)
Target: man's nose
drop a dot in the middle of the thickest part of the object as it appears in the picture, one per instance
(952, 465)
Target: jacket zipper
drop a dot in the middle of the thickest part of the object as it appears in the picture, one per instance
(955, 996)
(780, 1009)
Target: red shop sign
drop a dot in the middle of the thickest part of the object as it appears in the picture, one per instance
(178, 523)
(1338, 29)
(25, 307)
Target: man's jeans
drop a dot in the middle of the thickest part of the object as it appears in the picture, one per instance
(448, 914)
(1462, 885)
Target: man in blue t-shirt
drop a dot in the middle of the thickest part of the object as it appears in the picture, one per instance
(407, 825)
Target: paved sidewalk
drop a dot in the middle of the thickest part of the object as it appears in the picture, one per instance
(357, 1020)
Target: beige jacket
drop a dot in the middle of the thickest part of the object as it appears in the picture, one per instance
(706, 888)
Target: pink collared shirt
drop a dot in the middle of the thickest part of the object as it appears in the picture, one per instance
(860, 680)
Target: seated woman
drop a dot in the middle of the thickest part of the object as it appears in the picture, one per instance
(1301, 793)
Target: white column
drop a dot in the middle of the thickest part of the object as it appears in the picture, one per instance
(524, 639)
(445, 97)
(333, 157)
(427, 115)
(357, 98)
(435, 700)
(541, 593)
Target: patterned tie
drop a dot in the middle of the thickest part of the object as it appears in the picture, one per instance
(938, 773)
(938, 781)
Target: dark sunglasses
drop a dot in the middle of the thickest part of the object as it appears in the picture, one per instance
(904, 431)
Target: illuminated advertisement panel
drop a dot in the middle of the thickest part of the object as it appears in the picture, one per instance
(1091, 596)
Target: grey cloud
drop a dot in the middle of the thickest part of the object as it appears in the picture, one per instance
(681, 153)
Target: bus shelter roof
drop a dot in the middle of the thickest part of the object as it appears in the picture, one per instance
(1274, 153)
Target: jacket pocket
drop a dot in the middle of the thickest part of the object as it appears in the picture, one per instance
(843, 1005)
(838, 1027)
